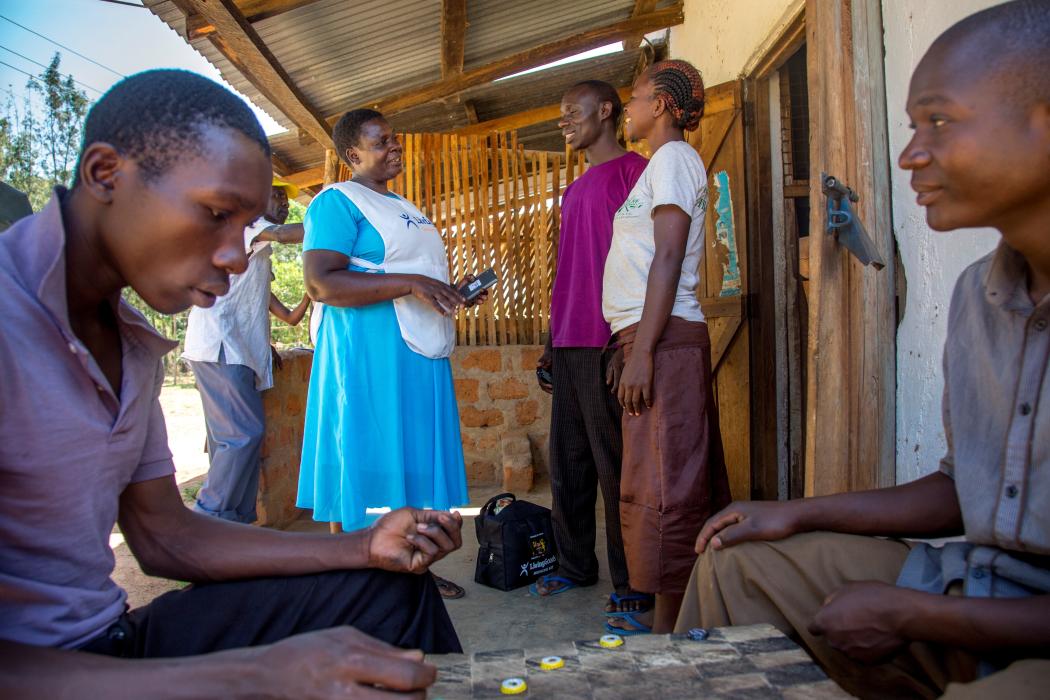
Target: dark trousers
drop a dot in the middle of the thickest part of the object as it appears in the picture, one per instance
(585, 451)
(400, 609)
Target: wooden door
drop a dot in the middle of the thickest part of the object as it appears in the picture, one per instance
(723, 278)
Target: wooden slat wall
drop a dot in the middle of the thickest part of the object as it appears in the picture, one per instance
(496, 205)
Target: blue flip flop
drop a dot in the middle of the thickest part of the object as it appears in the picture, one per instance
(633, 621)
(616, 599)
(569, 585)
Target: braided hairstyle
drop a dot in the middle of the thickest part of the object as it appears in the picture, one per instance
(683, 88)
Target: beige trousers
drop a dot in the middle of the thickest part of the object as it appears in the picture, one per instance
(784, 583)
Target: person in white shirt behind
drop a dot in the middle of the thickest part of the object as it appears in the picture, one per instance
(228, 348)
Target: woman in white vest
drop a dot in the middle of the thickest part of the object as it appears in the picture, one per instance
(382, 427)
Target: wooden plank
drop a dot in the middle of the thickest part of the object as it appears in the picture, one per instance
(306, 178)
(453, 36)
(198, 27)
(529, 117)
(851, 383)
(641, 7)
(331, 166)
(235, 38)
(531, 58)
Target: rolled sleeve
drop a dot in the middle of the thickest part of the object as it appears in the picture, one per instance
(156, 456)
(947, 465)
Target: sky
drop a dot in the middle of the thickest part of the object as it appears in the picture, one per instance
(123, 39)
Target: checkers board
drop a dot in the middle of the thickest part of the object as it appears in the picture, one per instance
(756, 661)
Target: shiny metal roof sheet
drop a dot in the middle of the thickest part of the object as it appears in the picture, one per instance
(341, 54)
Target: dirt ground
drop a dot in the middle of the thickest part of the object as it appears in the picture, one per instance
(486, 619)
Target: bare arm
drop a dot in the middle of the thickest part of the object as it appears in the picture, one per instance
(283, 233)
(290, 316)
(334, 663)
(869, 621)
(170, 540)
(328, 281)
(927, 507)
(671, 232)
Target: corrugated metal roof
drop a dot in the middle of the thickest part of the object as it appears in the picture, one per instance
(341, 54)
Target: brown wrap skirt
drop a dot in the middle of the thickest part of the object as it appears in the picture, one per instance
(674, 473)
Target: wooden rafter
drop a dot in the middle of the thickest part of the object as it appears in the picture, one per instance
(641, 7)
(520, 120)
(235, 38)
(537, 56)
(198, 27)
(453, 36)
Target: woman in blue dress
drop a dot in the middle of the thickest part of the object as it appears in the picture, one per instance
(382, 427)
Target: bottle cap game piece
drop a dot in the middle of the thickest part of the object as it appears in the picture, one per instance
(549, 663)
(513, 686)
(611, 641)
(697, 634)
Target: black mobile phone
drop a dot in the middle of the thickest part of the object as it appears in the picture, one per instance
(482, 282)
(544, 375)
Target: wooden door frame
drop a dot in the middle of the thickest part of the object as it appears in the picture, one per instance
(765, 450)
(851, 392)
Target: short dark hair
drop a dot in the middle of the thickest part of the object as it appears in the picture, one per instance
(347, 131)
(156, 117)
(1015, 38)
(605, 93)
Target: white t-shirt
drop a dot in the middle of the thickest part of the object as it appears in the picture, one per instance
(675, 175)
(238, 322)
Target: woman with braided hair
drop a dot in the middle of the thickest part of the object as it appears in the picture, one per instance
(673, 474)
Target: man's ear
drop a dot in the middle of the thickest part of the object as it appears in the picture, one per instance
(101, 166)
(605, 110)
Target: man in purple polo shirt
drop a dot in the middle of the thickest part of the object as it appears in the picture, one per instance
(586, 444)
(173, 168)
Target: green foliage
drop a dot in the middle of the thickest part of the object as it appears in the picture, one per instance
(40, 139)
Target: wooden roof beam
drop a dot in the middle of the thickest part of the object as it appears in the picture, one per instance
(198, 27)
(245, 49)
(520, 120)
(538, 56)
(641, 7)
(453, 36)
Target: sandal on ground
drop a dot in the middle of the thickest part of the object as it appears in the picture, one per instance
(646, 600)
(447, 589)
(639, 626)
(567, 585)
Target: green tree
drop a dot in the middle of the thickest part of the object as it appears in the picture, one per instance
(39, 151)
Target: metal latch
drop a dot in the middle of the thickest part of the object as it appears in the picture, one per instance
(844, 224)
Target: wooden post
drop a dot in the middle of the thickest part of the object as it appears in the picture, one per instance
(850, 422)
(331, 166)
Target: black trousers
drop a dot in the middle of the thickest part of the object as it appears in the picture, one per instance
(401, 609)
(586, 446)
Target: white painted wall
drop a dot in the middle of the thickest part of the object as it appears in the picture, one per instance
(720, 37)
(932, 261)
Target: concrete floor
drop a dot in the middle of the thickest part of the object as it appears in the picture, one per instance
(486, 618)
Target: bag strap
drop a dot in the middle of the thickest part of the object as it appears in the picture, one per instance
(491, 503)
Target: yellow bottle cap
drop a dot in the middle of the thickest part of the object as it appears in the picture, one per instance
(611, 641)
(549, 663)
(513, 686)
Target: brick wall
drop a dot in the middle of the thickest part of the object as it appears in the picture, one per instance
(285, 406)
(499, 399)
(500, 408)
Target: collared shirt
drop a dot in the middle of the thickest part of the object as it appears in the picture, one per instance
(68, 445)
(997, 421)
(239, 322)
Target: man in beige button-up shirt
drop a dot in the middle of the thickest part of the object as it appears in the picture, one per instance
(873, 611)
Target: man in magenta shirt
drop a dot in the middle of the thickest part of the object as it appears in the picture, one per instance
(586, 444)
